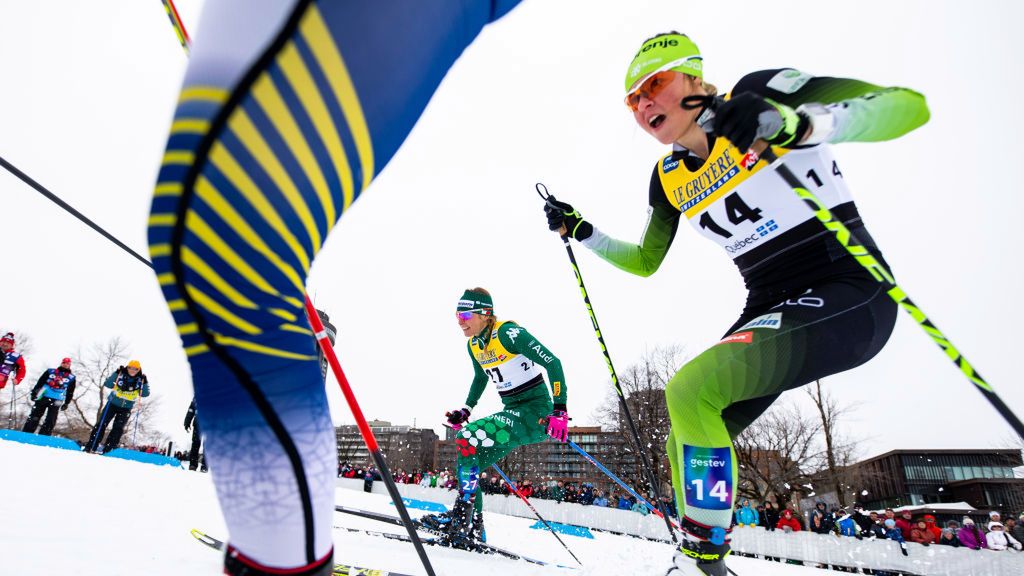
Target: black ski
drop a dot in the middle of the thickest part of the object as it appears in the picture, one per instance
(482, 547)
(339, 569)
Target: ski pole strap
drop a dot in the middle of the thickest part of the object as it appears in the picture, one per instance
(714, 534)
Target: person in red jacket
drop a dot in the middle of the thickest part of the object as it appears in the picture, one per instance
(904, 524)
(788, 520)
(929, 521)
(10, 361)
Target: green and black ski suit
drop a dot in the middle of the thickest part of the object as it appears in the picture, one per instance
(511, 358)
(812, 310)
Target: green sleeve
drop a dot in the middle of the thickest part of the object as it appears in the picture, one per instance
(479, 380)
(526, 344)
(645, 258)
(863, 112)
(109, 382)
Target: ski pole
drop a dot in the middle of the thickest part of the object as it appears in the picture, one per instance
(135, 434)
(364, 429)
(542, 190)
(878, 271)
(179, 27)
(99, 427)
(616, 479)
(535, 513)
(14, 393)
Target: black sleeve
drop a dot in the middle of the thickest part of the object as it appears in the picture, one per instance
(71, 391)
(190, 414)
(39, 384)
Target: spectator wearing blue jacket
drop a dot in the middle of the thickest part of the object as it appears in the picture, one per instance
(54, 391)
(745, 515)
(624, 503)
(600, 500)
(127, 385)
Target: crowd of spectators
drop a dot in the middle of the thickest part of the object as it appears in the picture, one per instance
(579, 493)
(898, 525)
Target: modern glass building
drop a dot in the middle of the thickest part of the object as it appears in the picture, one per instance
(982, 478)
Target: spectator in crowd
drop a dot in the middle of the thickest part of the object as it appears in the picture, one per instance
(762, 520)
(54, 390)
(862, 518)
(788, 522)
(819, 521)
(572, 493)
(526, 487)
(557, 492)
(929, 522)
(877, 527)
(970, 536)
(197, 439)
(11, 362)
(921, 534)
(994, 516)
(998, 539)
(600, 500)
(893, 533)
(905, 524)
(948, 538)
(772, 515)
(624, 503)
(587, 494)
(368, 477)
(640, 507)
(1017, 529)
(846, 525)
(745, 515)
(128, 384)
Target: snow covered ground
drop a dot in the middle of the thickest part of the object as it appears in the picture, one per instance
(65, 512)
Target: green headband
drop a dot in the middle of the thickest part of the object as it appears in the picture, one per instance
(475, 301)
(665, 52)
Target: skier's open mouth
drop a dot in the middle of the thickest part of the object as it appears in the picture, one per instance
(656, 121)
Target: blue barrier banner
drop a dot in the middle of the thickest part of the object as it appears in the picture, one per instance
(581, 531)
(423, 505)
(144, 457)
(37, 440)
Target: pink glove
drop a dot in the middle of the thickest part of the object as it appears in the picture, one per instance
(558, 425)
(457, 418)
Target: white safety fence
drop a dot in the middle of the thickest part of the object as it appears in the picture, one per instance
(828, 549)
(806, 547)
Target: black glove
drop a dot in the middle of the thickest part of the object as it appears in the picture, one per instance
(903, 548)
(188, 428)
(64, 407)
(563, 214)
(456, 418)
(747, 117)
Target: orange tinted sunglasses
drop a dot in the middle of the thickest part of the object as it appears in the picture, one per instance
(650, 88)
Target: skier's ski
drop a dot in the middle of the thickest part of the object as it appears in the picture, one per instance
(339, 569)
(482, 548)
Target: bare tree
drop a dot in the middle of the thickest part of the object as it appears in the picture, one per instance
(776, 454)
(840, 452)
(643, 385)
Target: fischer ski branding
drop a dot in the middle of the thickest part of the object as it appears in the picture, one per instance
(339, 569)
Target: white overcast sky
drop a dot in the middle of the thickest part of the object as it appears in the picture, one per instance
(88, 92)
